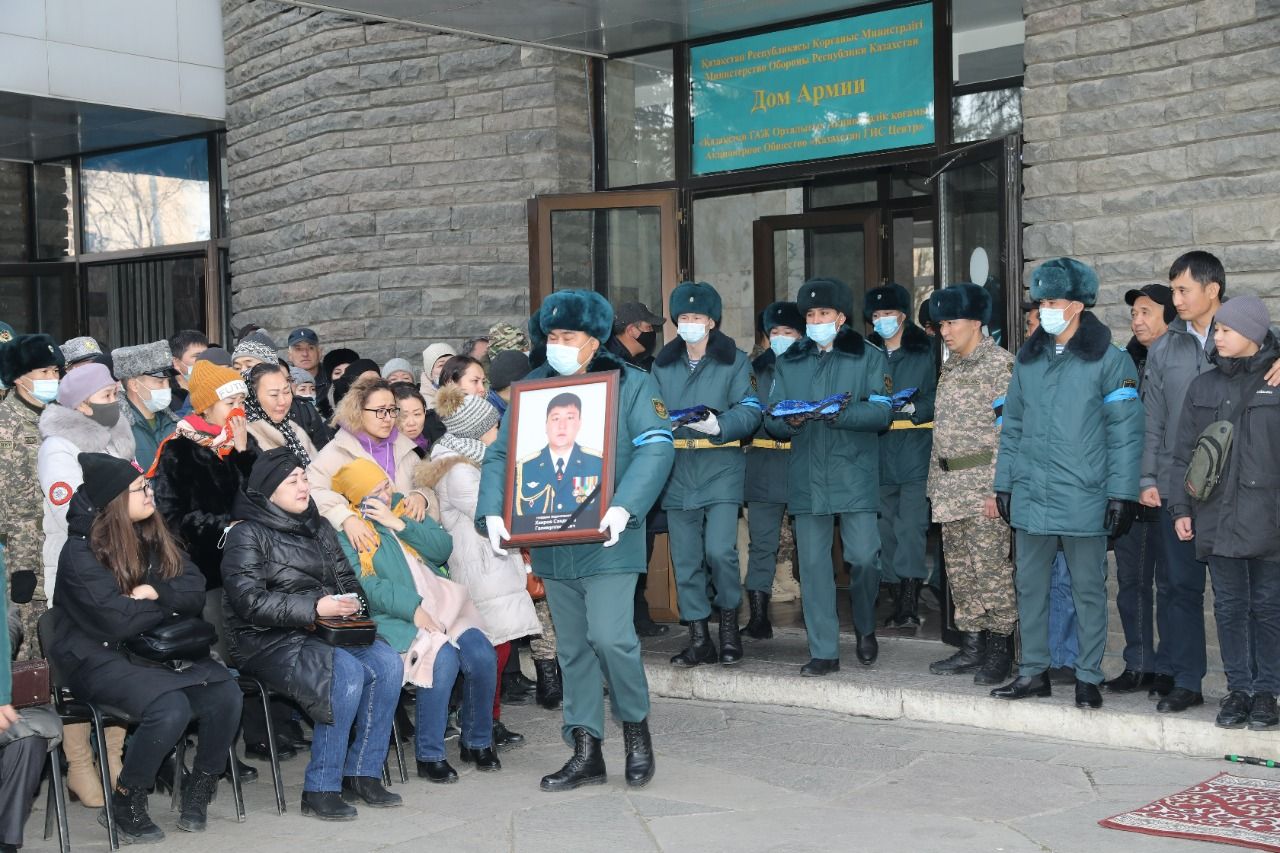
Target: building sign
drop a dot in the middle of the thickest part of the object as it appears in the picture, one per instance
(844, 87)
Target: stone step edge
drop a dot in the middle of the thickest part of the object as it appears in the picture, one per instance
(1055, 717)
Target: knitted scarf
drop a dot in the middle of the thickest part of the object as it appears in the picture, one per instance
(471, 448)
(254, 412)
(221, 440)
(366, 557)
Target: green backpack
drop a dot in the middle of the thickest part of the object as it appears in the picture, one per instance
(1213, 449)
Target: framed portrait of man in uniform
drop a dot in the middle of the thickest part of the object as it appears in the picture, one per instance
(560, 458)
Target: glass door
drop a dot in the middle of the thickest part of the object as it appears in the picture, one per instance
(840, 244)
(138, 301)
(39, 298)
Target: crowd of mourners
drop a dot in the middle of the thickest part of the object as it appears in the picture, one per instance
(178, 514)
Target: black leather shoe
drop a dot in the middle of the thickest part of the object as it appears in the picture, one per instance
(1088, 695)
(700, 650)
(1024, 686)
(1234, 713)
(1263, 714)
(1130, 681)
(484, 758)
(972, 654)
(292, 734)
(260, 751)
(868, 648)
(370, 790)
(1061, 675)
(504, 738)
(1161, 685)
(585, 767)
(639, 747)
(327, 805)
(441, 772)
(649, 628)
(730, 638)
(247, 772)
(818, 667)
(513, 690)
(1179, 699)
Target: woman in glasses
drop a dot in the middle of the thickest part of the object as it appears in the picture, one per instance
(366, 421)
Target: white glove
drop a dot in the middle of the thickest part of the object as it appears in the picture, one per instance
(908, 409)
(709, 425)
(614, 521)
(497, 532)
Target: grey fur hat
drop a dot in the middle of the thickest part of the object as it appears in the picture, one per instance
(153, 359)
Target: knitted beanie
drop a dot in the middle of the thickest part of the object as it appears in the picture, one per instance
(465, 415)
(252, 347)
(106, 477)
(358, 479)
(210, 383)
(396, 364)
(1244, 314)
(82, 383)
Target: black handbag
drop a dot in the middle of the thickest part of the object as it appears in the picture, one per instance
(187, 638)
(354, 630)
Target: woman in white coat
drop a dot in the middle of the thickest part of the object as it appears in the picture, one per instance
(496, 584)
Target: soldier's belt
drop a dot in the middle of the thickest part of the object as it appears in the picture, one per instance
(697, 444)
(769, 444)
(906, 424)
(964, 463)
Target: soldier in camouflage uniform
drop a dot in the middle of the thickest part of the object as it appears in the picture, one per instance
(966, 436)
(29, 366)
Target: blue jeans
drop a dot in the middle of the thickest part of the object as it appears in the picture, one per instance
(1137, 554)
(1246, 609)
(1063, 644)
(479, 665)
(1180, 608)
(365, 690)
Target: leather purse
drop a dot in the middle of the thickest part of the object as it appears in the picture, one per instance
(346, 630)
(187, 638)
(532, 583)
(30, 683)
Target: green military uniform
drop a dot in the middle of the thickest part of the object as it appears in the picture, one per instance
(148, 435)
(706, 486)
(590, 587)
(766, 490)
(834, 473)
(22, 509)
(1071, 441)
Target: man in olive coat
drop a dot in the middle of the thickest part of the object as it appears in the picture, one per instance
(904, 449)
(590, 586)
(835, 467)
(703, 368)
(1067, 471)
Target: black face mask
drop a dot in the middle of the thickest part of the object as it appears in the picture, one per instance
(648, 340)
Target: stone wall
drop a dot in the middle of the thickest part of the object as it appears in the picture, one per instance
(379, 174)
(1153, 127)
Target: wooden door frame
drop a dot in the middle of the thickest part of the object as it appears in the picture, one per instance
(764, 229)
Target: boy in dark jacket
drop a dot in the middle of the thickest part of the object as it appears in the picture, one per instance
(1235, 527)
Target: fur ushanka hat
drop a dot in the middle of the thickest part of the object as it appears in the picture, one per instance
(890, 297)
(963, 301)
(694, 297)
(781, 314)
(1065, 278)
(576, 311)
(825, 293)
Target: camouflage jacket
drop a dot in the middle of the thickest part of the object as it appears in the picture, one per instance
(966, 428)
(21, 501)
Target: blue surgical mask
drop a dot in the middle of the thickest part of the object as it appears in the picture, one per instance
(159, 400)
(44, 390)
(821, 334)
(887, 327)
(691, 332)
(563, 359)
(1053, 320)
(780, 343)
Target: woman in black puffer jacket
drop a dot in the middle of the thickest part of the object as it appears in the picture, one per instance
(282, 568)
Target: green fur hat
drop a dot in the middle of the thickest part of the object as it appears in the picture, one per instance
(576, 311)
(963, 301)
(825, 293)
(890, 297)
(781, 314)
(26, 353)
(694, 297)
(1065, 278)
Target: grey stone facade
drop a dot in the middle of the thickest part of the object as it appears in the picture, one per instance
(1153, 127)
(379, 174)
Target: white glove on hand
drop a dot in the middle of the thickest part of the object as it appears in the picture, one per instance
(497, 532)
(614, 521)
(709, 426)
(908, 409)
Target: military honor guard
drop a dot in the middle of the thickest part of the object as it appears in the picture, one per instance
(962, 469)
(590, 586)
(766, 485)
(835, 466)
(703, 368)
(1070, 448)
(912, 380)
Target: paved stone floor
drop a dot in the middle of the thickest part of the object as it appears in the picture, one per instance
(738, 779)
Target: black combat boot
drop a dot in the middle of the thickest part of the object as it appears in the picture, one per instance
(133, 824)
(550, 692)
(997, 662)
(973, 650)
(758, 626)
(514, 690)
(585, 767)
(701, 649)
(730, 638)
(639, 747)
(197, 791)
(906, 608)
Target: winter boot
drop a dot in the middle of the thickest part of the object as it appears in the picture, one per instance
(550, 692)
(997, 662)
(906, 605)
(197, 791)
(639, 747)
(758, 626)
(973, 649)
(730, 638)
(701, 649)
(133, 824)
(83, 781)
(115, 751)
(585, 767)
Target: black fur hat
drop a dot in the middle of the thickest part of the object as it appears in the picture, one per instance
(890, 297)
(825, 293)
(960, 302)
(26, 353)
(1065, 278)
(781, 314)
(694, 297)
(575, 311)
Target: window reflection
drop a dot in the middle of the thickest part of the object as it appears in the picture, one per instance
(986, 115)
(640, 119)
(155, 196)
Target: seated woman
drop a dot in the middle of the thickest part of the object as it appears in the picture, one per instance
(428, 618)
(282, 568)
(121, 574)
(267, 408)
(413, 416)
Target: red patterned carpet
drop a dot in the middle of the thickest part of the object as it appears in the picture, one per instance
(1226, 809)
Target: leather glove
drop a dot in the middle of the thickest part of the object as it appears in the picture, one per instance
(1118, 518)
(710, 425)
(1003, 501)
(614, 522)
(497, 532)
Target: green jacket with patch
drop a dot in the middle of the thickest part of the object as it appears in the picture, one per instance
(904, 452)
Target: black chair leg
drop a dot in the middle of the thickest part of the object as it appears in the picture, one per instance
(399, 747)
(237, 793)
(179, 769)
(100, 732)
(276, 780)
(56, 808)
